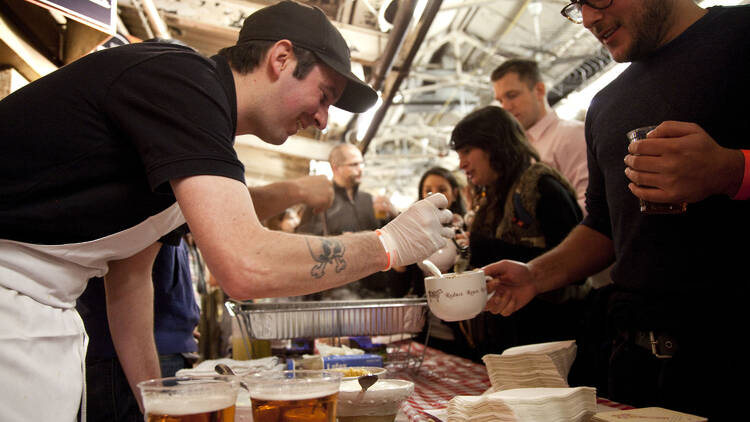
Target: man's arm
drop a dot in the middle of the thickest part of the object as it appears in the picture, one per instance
(680, 162)
(251, 262)
(313, 191)
(130, 312)
(583, 253)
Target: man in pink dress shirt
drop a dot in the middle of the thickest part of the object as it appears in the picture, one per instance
(561, 143)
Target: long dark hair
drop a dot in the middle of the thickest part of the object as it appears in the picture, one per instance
(457, 207)
(495, 131)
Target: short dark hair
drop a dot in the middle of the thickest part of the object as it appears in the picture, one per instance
(497, 132)
(245, 57)
(457, 207)
(527, 70)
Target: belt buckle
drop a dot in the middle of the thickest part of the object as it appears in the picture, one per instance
(663, 347)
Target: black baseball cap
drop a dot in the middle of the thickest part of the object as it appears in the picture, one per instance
(309, 28)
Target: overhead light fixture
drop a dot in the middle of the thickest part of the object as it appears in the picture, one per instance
(535, 7)
(387, 14)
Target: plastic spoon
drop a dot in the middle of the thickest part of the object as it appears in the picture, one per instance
(432, 267)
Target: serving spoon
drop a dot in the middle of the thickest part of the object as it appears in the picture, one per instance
(366, 381)
(224, 369)
(432, 267)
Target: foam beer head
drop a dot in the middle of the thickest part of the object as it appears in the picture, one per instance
(189, 395)
(288, 385)
(176, 406)
(303, 395)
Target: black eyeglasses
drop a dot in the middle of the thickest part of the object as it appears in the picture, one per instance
(573, 10)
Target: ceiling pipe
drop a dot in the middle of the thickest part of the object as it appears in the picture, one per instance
(142, 18)
(404, 14)
(428, 16)
(157, 24)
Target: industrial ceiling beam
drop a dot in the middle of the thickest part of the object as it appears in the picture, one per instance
(404, 14)
(428, 16)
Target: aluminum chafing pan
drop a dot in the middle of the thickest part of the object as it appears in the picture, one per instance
(370, 317)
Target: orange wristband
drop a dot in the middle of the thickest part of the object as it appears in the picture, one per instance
(744, 192)
(387, 252)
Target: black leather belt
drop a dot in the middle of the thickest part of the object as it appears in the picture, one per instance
(662, 344)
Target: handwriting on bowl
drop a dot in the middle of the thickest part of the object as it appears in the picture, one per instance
(434, 295)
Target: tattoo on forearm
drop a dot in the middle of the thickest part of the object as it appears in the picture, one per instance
(331, 252)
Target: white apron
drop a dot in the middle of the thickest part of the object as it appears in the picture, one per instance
(42, 337)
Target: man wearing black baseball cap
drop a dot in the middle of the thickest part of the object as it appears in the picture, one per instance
(290, 32)
(129, 143)
(309, 28)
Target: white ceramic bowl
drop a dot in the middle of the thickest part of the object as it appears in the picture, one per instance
(380, 403)
(457, 297)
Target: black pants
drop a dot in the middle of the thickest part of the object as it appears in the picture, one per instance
(108, 394)
(700, 379)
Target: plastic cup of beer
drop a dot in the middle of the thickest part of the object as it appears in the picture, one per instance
(189, 398)
(648, 207)
(294, 396)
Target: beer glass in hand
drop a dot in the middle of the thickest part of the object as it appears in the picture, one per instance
(189, 398)
(648, 207)
(304, 396)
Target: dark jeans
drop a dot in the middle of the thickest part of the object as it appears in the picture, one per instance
(697, 380)
(108, 394)
(170, 364)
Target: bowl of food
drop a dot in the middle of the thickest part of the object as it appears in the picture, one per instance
(379, 403)
(354, 372)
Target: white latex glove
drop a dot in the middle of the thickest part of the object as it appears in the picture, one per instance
(417, 232)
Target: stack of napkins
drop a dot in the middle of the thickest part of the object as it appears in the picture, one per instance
(646, 414)
(529, 383)
(526, 405)
(531, 366)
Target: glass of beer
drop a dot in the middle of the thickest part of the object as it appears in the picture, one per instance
(193, 398)
(291, 396)
(648, 207)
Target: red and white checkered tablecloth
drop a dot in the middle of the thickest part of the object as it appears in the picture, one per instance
(442, 377)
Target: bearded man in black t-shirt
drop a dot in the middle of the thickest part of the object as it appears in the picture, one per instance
(677, 279)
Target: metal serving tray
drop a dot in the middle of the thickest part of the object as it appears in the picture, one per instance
(368, 317)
